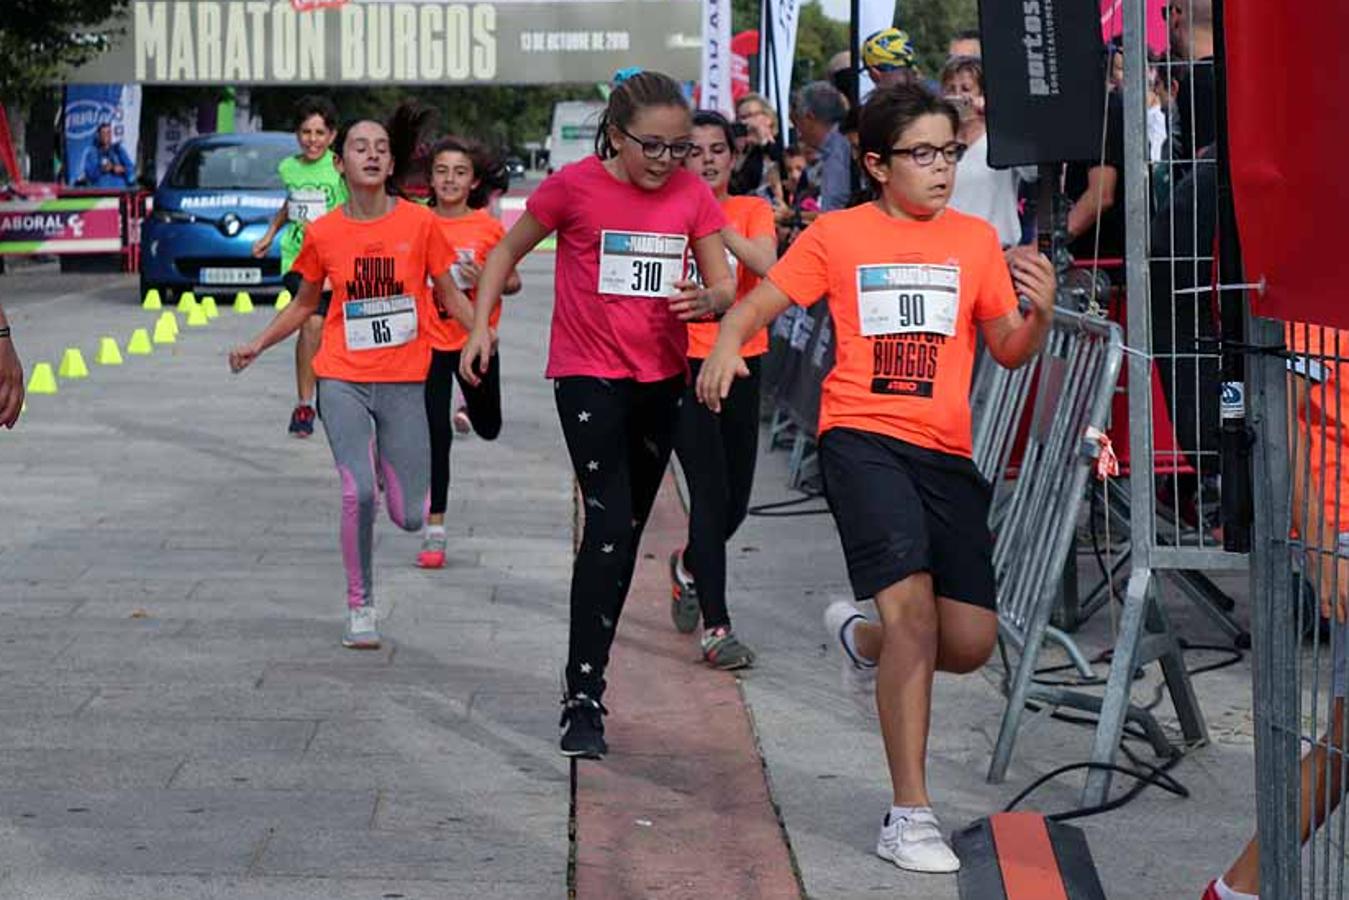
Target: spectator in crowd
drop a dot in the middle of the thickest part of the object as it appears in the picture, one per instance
(1191, 29)
(758, 166)
(11, 377)
(965, 43)
(842, 75)
(800, 196)
(106, 163)
(990, 194)
(817, 110)
(889, 59)
(1096, 219)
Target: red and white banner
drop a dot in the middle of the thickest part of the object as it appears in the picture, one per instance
(1288, 120)
(717, 65)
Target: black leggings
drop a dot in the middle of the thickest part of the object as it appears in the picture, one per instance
(619, 434)
(484, 411)
(717, 452)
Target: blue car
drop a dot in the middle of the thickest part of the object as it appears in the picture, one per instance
(217, 198)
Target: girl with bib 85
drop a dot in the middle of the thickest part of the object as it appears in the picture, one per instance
(909, 283)
(618, 352)
(379, 251)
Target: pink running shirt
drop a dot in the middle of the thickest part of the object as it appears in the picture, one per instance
(612, 334)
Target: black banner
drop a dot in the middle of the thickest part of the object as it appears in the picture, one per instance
(1044, 72)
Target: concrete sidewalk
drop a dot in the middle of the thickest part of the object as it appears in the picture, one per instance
(181, 722)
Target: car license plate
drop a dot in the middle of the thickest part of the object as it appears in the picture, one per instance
(231, 276)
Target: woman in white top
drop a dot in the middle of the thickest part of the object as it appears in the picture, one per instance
(990, 194)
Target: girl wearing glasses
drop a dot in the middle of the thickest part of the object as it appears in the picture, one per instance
(717, 452)
(909, 283)
(625, 219)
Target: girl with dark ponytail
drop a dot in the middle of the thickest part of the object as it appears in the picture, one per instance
(378, 251)
(625, 219)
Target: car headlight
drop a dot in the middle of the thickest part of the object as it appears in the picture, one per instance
(171, 215)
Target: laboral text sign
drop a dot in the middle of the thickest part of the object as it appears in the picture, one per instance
(398, 42)
(64, 225)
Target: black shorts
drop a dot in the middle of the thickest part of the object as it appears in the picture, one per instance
(291, 280)
(903, 509)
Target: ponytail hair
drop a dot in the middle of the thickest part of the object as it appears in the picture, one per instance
(635, 92)
(405, 127)
(488, 170)
(404, 130)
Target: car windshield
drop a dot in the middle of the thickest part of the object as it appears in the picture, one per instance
(231, 167)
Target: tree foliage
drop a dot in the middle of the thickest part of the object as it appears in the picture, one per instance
(40, 40)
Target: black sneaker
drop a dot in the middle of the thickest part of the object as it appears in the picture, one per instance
(302, 421)
(684, 611)
(583, 728)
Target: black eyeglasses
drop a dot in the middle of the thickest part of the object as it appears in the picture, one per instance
(925, 154)
(656, 149)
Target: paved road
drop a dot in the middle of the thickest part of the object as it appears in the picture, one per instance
(181, 722)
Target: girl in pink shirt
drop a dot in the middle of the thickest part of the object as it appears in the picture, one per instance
(624, 218)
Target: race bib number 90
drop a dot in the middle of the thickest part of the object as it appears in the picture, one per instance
(380, 322)
(904, 298)
(306, 205)
(639, 264)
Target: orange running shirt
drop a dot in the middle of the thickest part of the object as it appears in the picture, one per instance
(1321, 439)
(473, 235)
(753, 218)
(904, 351)
(386, 261)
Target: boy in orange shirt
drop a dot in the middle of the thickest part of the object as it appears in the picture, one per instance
(909, 283)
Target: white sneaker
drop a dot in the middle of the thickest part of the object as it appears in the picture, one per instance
(361, 633)
(915, 843)
(859, 678)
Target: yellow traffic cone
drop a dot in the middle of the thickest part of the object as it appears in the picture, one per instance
(109, 354)
(283, 300)
(243, 303)
(140, 345)
(152, 300)
(208, 304)
(43, 380)
(72, 364)
(171, 321)
(187, 301)
(196, 316)
(166, 329)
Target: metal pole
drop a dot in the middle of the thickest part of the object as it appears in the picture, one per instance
(1142, 495)
(855, 82)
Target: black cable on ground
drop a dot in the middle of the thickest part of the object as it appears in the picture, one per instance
(772, 510)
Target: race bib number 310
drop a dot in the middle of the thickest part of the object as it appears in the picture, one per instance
(380, 322)
(906, 298)
(639, 264)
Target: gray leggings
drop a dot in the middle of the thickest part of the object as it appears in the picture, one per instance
(375, 427)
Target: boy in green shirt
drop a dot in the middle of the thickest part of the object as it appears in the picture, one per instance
(313, 188)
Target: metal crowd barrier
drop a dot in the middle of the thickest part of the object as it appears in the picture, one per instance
(1038, 434)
